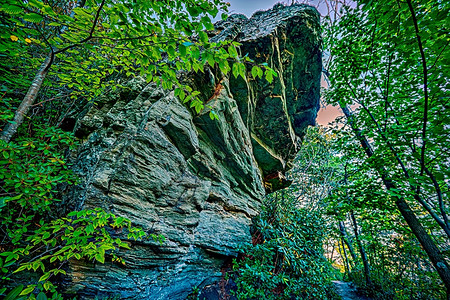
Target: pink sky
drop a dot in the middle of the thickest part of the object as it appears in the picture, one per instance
(328, 114)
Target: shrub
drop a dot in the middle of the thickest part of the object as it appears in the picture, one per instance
(286, 259)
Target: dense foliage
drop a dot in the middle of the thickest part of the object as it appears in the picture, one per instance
(286, 259)
(388, 71)
(34, 236)
(85, 46)
(371, 195)
(376, 250)
(381, 174)
(81, 49)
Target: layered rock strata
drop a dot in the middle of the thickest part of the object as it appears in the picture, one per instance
(196, 181)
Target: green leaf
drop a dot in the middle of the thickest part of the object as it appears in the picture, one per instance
(260, 72)
(33, 17)
(28, 290)
(235, 70)
(11, 256)
(182, 49)
(100, 257)
(14, 293)
(21, 268)
(232, 51)
(206, 21)
(41, 296)
(211, 60)
(44, 277)
(171, 50)
(195, 52)
(274, 73)
(203, 37)
(89, 229)
(12, 9)
(269, 76)
(255, 71)
(242, 70)
(213, 115)
(224, 66)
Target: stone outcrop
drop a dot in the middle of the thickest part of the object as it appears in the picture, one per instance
(196, 181)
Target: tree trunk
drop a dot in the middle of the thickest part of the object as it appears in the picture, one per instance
(361, 250)
(346, 240)
(435, 256)
(344, 258)
(438, 261)
(441, 222)
(11, 128)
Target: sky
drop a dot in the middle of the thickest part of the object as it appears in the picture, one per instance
(248, 7)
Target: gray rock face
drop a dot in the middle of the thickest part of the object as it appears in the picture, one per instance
(196, 181)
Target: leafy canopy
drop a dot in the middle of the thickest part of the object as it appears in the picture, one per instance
(84, 48)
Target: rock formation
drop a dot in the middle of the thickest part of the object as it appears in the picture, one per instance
(198, 182)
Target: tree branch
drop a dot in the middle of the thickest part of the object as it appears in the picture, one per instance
(425, 86)
(91, 32)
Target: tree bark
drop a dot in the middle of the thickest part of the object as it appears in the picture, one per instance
(441, 222)
(435, 256)
(11, 128)
(344, 236)
(361, 250)
(438, 261)
(344, 258)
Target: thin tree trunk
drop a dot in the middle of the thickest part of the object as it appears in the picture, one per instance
(344, 258)
(346, 239)
(361, 250)
(438, 261)
(11, 128)
(332, 252)
(441, 222)
(435, 256)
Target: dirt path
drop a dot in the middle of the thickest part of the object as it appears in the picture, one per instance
(347, 292)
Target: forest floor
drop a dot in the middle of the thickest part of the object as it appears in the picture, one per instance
(347, 291)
